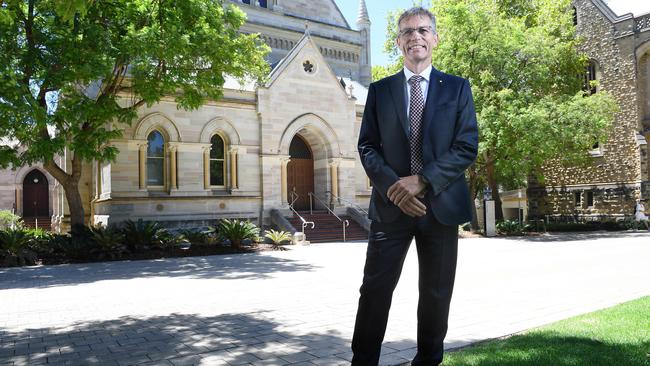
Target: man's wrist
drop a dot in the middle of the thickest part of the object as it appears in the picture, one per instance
(423, 180)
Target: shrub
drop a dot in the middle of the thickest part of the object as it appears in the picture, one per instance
(67, 248)
(108, 243)
(277, 237)
(167, 239)
(140, 236)
(512, 227)
(196, 237)
(15, 248)
(236, 231)
(7, 218)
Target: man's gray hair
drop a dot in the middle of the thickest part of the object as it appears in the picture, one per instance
(418, 11)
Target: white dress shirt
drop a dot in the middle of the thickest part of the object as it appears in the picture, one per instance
(424, 85)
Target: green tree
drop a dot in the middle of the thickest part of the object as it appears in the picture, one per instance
(74, 72)
(523, 61)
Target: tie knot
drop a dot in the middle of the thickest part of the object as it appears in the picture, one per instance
(415, 79)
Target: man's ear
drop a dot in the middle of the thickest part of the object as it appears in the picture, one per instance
(436, 40)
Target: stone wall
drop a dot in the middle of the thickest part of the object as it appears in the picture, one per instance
(324, 11)
(617, 202)
(617, 164)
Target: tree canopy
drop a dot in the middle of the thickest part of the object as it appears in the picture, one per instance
(73, 71)
(523, 61)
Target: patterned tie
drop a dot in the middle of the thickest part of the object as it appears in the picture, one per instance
(416, 108)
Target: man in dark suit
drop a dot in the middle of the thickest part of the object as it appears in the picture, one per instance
(417, 138)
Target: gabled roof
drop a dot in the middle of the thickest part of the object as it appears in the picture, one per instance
(286, 61)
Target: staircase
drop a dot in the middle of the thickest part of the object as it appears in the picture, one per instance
(328, 228)
(44, 223)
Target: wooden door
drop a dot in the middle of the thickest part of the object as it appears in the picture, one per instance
(300, 173)
(36, 202)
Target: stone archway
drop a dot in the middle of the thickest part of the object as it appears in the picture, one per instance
(324, 145)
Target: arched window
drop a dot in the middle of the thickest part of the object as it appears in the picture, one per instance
(155, 159)
(591, 75)
(217, 161)
(575, 16)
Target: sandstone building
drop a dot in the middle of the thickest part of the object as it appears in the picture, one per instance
(619, 52)
(242, 156)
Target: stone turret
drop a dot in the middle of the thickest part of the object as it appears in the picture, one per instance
(363, 23)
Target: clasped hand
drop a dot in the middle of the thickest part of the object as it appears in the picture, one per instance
(404, 194)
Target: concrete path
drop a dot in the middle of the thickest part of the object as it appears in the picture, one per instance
(298, 306)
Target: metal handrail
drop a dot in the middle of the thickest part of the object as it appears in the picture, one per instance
(294, 198)
(356, 205)
(345, 222)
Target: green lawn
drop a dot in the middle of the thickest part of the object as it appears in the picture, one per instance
(617, 336)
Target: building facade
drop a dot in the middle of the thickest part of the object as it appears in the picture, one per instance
(619, 51)
(257, 149)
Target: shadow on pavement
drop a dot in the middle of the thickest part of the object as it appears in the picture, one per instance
(230, 339)
(578, 236)
(225, 267)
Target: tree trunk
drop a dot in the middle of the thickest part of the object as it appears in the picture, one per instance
(75, 204)
(494, 186)
(70, 184)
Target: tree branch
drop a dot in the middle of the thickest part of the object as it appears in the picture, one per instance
(56, 171)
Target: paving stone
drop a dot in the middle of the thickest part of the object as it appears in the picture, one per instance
(185, 361)
(298, 357)
(269, 308)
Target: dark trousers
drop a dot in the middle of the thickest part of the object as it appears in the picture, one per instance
(388, 244)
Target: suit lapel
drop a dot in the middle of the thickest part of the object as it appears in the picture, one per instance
(399, 99)
(433, 94)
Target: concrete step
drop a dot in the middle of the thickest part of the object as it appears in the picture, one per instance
(328, 228)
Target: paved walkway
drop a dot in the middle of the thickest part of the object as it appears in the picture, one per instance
(298, 306)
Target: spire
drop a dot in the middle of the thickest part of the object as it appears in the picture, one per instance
(363, 18)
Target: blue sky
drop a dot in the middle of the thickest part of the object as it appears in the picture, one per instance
(377, 10)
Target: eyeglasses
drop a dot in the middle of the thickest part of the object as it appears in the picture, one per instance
(423, 31)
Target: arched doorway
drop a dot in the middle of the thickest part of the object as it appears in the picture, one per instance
(300, 172)
(36, 202)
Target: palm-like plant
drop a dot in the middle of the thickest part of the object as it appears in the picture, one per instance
(195, 237)
(141, 235)
(14, 247)
(277, 237)
(236, 231)
(109, 242)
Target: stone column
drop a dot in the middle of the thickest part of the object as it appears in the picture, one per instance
(172, 162)
(334, 173)
(142, 153)
(284, 161)
(206, 167)
(233, 167)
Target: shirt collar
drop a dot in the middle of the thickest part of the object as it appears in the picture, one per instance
(426, 73)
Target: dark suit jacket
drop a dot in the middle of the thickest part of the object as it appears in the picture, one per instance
(450, 145)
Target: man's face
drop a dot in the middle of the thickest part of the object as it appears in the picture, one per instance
(416, 40)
